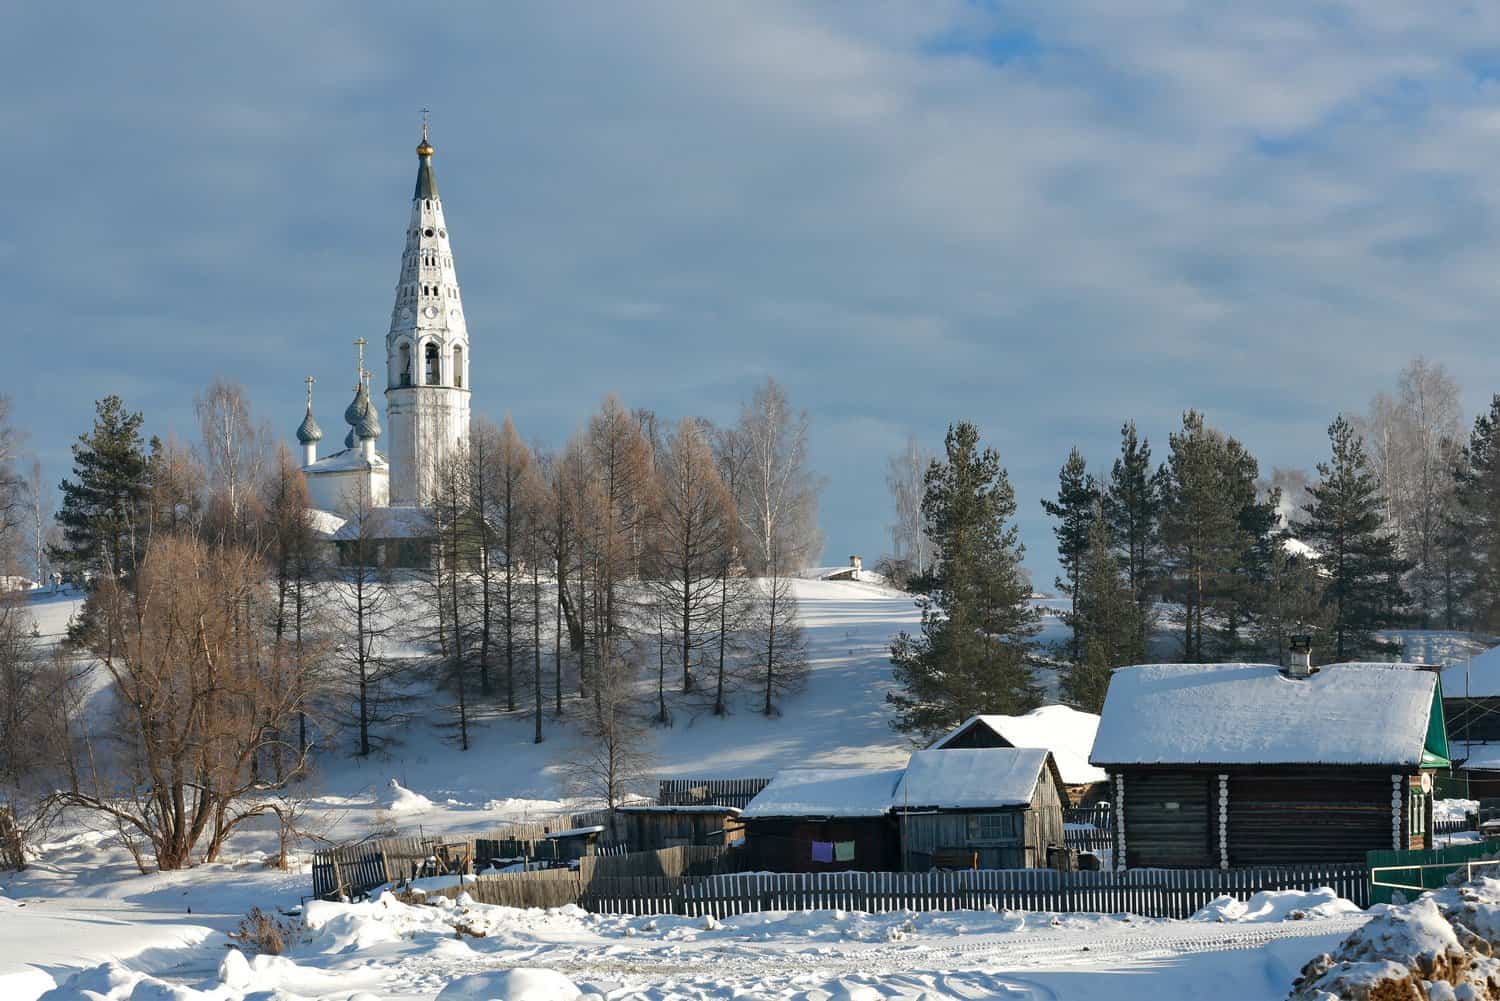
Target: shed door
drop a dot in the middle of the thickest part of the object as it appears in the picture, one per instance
(1166, 821)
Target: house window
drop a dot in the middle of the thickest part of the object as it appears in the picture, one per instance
(992, 828)
(1416, 811)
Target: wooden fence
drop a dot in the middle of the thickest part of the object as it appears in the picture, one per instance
(1452, 826)
(355, 870)
(705, 792)
(1162, 893)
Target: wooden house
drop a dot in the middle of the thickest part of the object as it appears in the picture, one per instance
(824, 820)
(649, 827)
(980, 807)
(1066, 732)
(1250, 764)
(574, 843)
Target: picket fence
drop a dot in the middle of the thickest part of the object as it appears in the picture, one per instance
(1159, 893)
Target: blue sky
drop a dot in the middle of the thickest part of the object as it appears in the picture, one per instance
(1046, 218)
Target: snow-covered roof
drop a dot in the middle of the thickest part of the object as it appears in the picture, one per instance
(1477, 677)
(970, 778)
(1068, 733)
(1344, 714)
(577, 832)
(324, 523)
(826, 792)
(666, 808)
(388, 523)
(343, 461)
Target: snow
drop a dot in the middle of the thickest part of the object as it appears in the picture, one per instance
(826, 792)
(1453, 809)
(577, 832)
(1278, 905)
(1067, 732)
(970, 778)
(517, 984)
(388, 523)
(1477, 676)
(732, 811)
(402, 802)
(1348, 714)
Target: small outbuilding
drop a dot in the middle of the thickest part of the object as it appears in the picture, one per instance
(1067, 732)
(980, 807)
(1251, 764)
(652, 826)
(824, 820)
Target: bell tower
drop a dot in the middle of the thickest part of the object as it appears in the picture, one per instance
(427, 349)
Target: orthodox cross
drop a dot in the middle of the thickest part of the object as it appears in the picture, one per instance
(425, 113)
(359, 372)
(309, 380)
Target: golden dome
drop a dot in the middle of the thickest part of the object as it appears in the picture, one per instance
(425, 148)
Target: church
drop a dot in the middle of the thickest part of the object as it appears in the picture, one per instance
(363, 490)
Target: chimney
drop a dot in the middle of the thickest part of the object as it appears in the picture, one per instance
(856, 564)
(1299, 665)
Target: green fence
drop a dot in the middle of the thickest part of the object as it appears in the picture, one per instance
(1428, 870)
(1450, 787)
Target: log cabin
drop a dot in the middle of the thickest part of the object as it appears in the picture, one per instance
(1250, 764)
(981, 807)
(1068, 733)
(823, 820)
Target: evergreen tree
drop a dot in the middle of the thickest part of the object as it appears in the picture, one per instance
(1108, 619)
(1291, 603)
(1356, 551)
(1075, 510)
(977, 624)
(1474, 535)
(1214, 534)
(102, 504)
(1132, 509)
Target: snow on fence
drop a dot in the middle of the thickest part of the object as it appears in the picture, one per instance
(703, 792)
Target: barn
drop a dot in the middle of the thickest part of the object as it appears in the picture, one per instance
(980, 807)
(824, 820)
(652, 826)
(1068, 733)
(1251, 764)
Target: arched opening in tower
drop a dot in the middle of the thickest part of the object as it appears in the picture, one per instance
(434, 366)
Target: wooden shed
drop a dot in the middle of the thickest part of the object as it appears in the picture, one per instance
(824, 820)
(1251, 764)
(987, 808)
(1068, 733)
(649, 827)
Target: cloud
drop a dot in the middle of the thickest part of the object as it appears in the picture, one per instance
(1046, 218)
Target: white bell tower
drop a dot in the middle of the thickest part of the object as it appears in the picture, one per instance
(427, 349)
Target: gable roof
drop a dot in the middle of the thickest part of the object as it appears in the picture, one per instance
(973, 778)
(1067, 732)
(1237, 714)
(825, 792)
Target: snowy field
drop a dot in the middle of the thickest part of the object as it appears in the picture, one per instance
(83, 924)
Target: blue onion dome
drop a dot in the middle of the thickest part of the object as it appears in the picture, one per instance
(369, 424)
(308, 431)
(357, 406)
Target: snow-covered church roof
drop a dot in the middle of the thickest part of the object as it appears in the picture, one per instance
(1067, 732)
(971, 778)
(1238, 714)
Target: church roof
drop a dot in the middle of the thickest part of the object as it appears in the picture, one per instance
(344, 460)
(308, 431)
(426, 179)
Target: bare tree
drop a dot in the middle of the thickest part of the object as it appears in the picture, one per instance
(613, 754)
(193, 711)
(780, 650)
(457, 542)
(906, 473)
(364, 679)
(778, 502)
(235, 452)
(511, 472)
(694, 531)
(41, 516)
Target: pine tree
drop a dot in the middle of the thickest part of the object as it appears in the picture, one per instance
(1108, 619)
(102, 505)
(1356, 551)
(1291, 603)
(977, 624)
(1214, 532)
(1476, 529)
(1132, 509)
(1075, 510)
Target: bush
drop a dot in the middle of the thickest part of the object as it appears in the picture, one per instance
(264, 933)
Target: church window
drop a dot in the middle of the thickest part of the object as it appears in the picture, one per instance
(443, 233)
(427, 232)
(434, 366)
(405, 361)
(458, 367)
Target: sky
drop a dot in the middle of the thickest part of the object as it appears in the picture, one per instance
(1045, 218)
